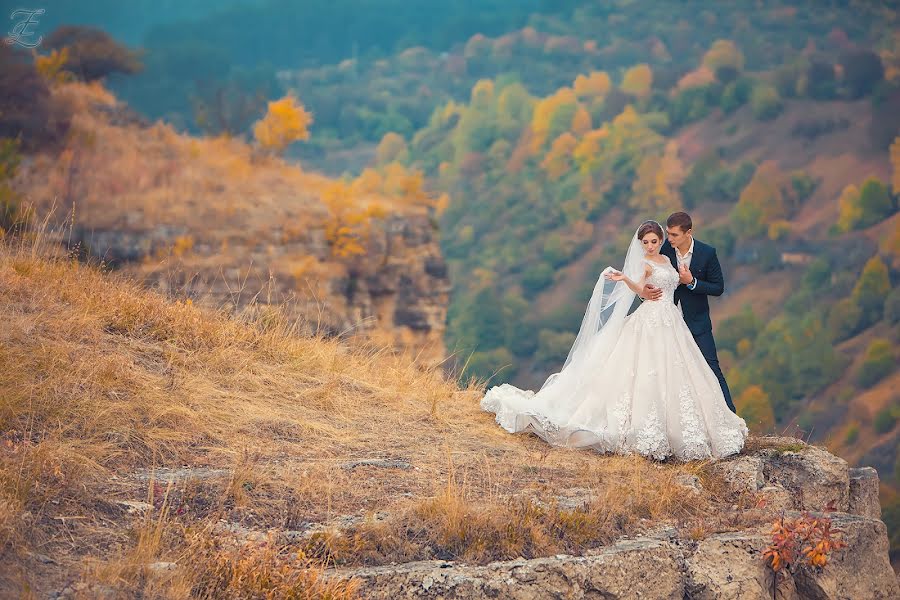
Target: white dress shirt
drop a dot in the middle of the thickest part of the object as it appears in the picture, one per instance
(686, 258)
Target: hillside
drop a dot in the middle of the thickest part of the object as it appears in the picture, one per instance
(212, 220)
(154, 448)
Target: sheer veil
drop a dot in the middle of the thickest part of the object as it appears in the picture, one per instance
(596, 338)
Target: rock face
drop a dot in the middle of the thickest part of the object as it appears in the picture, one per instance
(396, 293)
(725, 566)
(619, 571)
(790, 476)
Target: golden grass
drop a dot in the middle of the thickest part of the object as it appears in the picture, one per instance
(101, 378)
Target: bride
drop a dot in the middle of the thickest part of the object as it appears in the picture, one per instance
(631, 383)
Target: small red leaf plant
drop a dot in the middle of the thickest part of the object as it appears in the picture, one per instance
(807, 540)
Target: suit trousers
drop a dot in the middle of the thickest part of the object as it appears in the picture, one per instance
(708, 347)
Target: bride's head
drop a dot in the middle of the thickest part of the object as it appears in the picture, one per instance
(651, 235)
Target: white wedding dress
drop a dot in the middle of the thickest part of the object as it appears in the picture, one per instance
(636, 383)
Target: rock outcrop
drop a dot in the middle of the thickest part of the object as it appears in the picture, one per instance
(789, 475)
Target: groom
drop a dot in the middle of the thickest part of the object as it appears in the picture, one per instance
(701, 276)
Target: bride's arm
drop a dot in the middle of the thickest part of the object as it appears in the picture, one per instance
(635, 286)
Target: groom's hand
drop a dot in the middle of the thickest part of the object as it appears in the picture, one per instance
(684, 274)
(651, 292)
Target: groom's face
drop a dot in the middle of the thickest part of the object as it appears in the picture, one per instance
(677, 237)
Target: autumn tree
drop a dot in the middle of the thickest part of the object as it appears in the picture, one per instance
(871, 289)
(754, 406)
(559, 159)
(348, 227)
(392, 147)
(762, 201)
(638, 81)
(724, 59)
(863, 208)
(552, 116)
(285, 122)
(595, 85)
(52, 66)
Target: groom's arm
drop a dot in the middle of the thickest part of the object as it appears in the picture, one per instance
(714, 284)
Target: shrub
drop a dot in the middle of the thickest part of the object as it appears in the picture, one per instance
(852, 434)
(844, 319)
(879, 362)
(27, 111)
(93, 53)
(765, 102)
(820, 80)
(892, 307)
(537, 278)
(885, 419)
(862, 72)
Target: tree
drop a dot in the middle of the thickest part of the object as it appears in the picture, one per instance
(596, 85)
(765, 102)
(28, 112)
(392, 147)
(879, 362)
(754, 406)
(638, 81)
(875, 202)
(820, 80)
(895, 165)
(762, 201)
(93, 53)
(724, 59)
(863, 70)
(871, 289)
(849, 211)
(285, 122)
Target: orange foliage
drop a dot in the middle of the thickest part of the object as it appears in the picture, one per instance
(807, 540)
(559, 159)
(50, 67)
(697, 78)
(286, 121)
(595, 85)
(581, 121)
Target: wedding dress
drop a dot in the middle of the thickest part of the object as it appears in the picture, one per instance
(631, 383)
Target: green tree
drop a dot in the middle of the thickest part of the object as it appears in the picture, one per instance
(879, 361)
(871, 290)
(765, 102)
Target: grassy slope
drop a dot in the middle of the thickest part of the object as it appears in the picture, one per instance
(102, 378)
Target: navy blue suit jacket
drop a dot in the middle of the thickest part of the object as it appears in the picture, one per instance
(710, 282)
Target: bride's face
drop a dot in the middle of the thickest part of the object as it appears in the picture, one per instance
(651, 243)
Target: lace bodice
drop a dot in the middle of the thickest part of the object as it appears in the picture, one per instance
(665, 277)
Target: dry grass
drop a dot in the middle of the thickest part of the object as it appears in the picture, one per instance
(101, 379)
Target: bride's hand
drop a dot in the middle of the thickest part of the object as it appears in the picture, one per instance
(615, 275)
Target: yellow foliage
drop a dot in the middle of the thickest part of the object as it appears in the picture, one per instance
(754, 406)
(650, 192)
(638, 80)
(285, 122)
(368, 182)
(543, 113)
(595, 85)
(51, 67)
(850, 210)
(587, 150)
(723, 53)
(482, 93)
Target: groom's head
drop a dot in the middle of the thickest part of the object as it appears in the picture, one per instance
(679, 228)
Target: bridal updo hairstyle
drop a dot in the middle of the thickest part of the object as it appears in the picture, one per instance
(650, 227)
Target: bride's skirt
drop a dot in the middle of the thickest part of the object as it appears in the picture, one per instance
(654, 395)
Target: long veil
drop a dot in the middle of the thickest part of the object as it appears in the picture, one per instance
(547, 411)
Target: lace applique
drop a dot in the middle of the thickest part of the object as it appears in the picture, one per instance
(652, 440)
(622, 413)
(696, 445)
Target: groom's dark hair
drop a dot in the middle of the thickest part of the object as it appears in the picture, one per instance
(680, 219)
